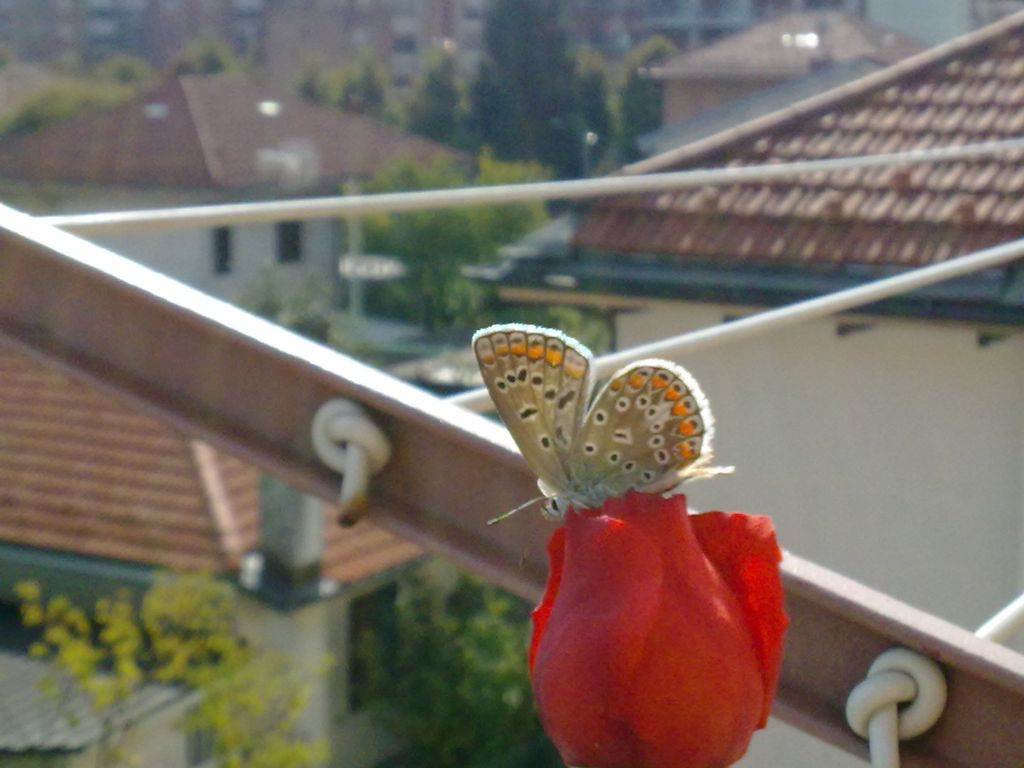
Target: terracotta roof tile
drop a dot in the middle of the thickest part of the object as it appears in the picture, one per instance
(968, 90)
(351, 554)
(208, 133)
(80, 473)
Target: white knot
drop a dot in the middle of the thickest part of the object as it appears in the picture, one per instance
(347, 441)
(898, 676)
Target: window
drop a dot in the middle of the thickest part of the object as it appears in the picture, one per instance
(199, 748)
(405, 44)
(222, 255)
(289, 242)
(371, 619)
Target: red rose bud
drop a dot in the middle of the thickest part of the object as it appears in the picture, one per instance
(658, 641)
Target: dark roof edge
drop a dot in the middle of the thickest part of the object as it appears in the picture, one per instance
(863, 85)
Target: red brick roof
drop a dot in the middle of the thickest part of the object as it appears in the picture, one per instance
(80, 473)
(789, 46)
(968, 90)
(207, 132)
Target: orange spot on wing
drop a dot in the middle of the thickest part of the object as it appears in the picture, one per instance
(680, 409)
(487, 358)
(658, 381)
(501, 349)
(519, 348)
(636, 380)
(535, 351)
(616, 385)
(673, 393)
(554, 357)
(686, 450)
(576, 371)
(687, 427)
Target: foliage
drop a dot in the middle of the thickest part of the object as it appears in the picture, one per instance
(125, 69)
(361, 87)
(592, 100)
(435, 109)
(523, 99)
(310, 310)
(184, 633)
(318, 83)
(59, 103)
(435, 245)
(364, 86)
(206, 55)
(471, 704)
(641, 101)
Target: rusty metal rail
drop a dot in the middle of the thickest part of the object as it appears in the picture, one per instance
(251, 388)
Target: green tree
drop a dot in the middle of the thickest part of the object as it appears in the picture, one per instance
(523, 101)
(310, 310)
(125, 69)
(471, 703)
(184, 633)
(435, 245)
(61, 102)
(206, 55)
(364, 86)
(641, 100)
(318, 83)
(435, 109)
(7, 55)
(592, 101)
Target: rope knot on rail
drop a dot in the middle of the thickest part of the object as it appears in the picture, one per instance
(902, 696)
(347, 441)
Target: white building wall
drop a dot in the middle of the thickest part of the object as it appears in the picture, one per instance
(893, 455)
(931, 21)
(309, 635)
(156, 741)
(188, 255)
(301, 635)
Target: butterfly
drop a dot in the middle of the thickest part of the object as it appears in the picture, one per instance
(649, 427)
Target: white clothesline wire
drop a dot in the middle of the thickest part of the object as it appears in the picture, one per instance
(331, 207)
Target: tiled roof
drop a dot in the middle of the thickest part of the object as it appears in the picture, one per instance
(81, 473)
(208, 133)
(968, 90)
(352, 554)
(791, 45)
(31, 721)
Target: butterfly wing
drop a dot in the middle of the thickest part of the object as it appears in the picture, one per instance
(649, 428)
(539, 380)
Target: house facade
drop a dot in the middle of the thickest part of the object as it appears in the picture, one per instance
(196, 140)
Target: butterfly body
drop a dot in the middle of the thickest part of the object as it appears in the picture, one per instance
(647, 429)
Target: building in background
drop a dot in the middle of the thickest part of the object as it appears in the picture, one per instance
(198, 140)
(401, 33)
(95, 497)
(156, 30)
(784, 48)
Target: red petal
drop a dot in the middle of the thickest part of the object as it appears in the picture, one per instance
(743, 550)
(594, 639)
(556, 555)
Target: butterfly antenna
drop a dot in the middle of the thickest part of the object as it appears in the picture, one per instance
(511, 512)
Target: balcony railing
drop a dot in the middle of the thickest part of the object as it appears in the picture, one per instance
(252, 388)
